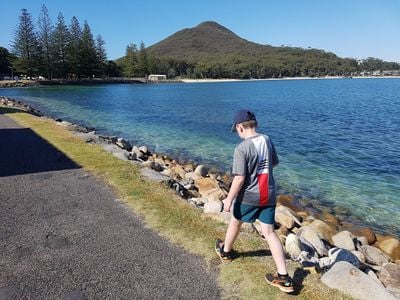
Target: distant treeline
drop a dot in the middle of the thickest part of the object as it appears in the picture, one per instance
(55, 51)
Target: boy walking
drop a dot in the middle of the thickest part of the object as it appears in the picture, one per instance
(252, 195)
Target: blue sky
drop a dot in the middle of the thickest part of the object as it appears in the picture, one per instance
(351, 28)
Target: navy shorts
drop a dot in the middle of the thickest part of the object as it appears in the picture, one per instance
(249, 213)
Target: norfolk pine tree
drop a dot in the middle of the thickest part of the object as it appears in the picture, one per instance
(45, 30)
(60, 41)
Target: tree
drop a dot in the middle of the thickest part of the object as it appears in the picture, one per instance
(88, 54)
(130, 61)
(5, 61)
(45, 27)
(73, 48)
(25, 46)
(101, 55)
(143, 67)
(60, 42)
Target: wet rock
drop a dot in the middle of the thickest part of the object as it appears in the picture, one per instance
(345, 240)
(390, 277)
(201, 170)
(360, 231)
(390, 246)
(309, 234)
(374, 255)
(350, 280)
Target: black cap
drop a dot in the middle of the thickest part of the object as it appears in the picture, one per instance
(242, 116)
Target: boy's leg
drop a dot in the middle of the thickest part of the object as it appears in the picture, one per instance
(275, 246)
(232, 233)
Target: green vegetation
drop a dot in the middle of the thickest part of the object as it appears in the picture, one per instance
(212, 51)
(58, 51)
(176, 220)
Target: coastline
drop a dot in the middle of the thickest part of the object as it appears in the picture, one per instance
(204, 190)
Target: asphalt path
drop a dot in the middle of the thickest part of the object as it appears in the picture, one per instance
(64, 235)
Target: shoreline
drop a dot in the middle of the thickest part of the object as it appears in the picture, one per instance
(299, 202)
(309, 237)
(65, 82)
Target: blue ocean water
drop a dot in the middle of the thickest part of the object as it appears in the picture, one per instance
(338, 140)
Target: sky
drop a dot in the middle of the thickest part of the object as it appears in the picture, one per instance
(348, 28)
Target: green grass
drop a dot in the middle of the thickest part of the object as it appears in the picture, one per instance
(176, 220)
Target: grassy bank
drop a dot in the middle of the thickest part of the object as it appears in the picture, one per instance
(176, 220)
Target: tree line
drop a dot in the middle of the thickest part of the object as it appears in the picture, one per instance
(59, 50)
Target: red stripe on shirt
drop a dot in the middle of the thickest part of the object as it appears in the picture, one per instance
(263, 188)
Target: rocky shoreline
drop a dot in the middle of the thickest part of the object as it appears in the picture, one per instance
(351, 258)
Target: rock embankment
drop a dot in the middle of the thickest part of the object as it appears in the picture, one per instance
(352, 258)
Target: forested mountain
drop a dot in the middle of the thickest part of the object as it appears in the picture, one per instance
(213, 51)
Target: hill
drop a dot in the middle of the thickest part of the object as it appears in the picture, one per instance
(210, 50)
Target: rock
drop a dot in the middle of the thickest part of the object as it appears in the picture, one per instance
(372, 275)
(144, 149)
(350, 280)
(124, 144)
(159, 160)
(359, 231)
(212, 207)
(192, 175)
(390, 246)
(309, 234)
(362, 240)
(286, 217)
(189, 167)
(324, 230)
(178, 171)
(331, 219)
(374, 255)
(293, 246)
(156, 167)
(153, 175)
(206, 184)
(338, 254)
(360, 256)
(390, 277)
(345, 240)
(201, 170)
(214, 194)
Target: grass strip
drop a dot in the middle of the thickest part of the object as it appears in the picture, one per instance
(176, 220)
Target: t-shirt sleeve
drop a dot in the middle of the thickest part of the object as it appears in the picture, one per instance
(275, 159)
(239, 163)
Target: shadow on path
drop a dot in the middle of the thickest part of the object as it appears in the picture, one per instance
(22, 151)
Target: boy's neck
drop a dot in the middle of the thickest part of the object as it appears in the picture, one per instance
(249, 132)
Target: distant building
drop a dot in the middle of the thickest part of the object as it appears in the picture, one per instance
(157, 77)
(391, 73)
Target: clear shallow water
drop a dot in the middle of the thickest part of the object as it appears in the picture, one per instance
(338, 140)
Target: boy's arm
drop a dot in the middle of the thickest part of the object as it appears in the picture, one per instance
(237, 184)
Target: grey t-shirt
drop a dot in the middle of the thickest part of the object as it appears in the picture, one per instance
(254, 158)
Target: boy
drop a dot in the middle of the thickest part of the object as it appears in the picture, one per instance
(253, 187)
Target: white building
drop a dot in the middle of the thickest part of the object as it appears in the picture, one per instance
(156, 77)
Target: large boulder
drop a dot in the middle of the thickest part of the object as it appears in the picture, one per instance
(192, 175)
(330, 219)
(374, 255)
(345, 240)
(390, 246)
(324, 230)
(178, 171)
(390, 277)
(338, 254)
(311, 236)
(124, 144)
(215, 194)
(350, 280)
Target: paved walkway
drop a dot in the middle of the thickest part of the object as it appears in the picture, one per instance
(64, 235)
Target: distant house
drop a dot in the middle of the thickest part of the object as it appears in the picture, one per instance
(157, 77)
(391, 73)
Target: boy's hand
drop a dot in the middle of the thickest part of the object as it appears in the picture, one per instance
(227, 203)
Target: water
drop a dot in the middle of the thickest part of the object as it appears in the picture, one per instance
(338, 140)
